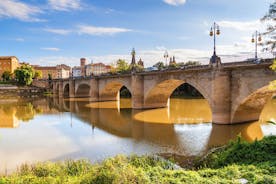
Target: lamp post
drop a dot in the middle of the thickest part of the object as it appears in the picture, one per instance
(166, 55)
(213, 32)
(256, 38)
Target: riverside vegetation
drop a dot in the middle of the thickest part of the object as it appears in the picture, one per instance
(238, 162)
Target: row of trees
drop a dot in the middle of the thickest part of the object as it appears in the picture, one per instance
(23, 75)
(122, 66)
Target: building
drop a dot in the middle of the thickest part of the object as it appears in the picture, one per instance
(56, 72)
(97, 69)
(64, 71)
(76, 71)
(8, 63)
(83, 65)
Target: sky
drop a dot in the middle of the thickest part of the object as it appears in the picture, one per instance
(51, 32)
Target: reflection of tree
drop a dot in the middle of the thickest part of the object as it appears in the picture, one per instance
(25, 112)
(8, 109)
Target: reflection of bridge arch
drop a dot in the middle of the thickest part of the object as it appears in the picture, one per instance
(250, 108)
(111, 90)
(159, 94)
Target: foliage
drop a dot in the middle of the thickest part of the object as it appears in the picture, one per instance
(253, 162)
(160, 65)
(192, 63)
(122, 66)
(50, 77)
(243, 153)
(173, 65)
(24, 75)
(273, 67)
(37, 74)
(270, 18)
(6, 76)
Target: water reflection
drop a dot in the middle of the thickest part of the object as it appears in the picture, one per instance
(95, 131)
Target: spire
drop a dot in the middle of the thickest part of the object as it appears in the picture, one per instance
(133, 62)
(141, 63)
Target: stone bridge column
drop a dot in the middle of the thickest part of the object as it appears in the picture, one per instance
(72, 88)
(94, 90)
(54, 88)
(221, 96)
(137, 86)
(60, 90)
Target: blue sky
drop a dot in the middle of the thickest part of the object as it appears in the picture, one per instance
(49, 32)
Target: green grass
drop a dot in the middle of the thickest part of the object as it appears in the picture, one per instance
(254, 162)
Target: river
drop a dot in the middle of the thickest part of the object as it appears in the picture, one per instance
(52, 129)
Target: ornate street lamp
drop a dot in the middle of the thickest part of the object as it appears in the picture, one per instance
(213, 32)
(166, 55)
(256, 38)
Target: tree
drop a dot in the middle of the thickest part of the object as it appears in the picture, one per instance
(24, 75)
(122, 66)
(273, 67)
(270, 19)
(160, 65)
(37, 74)
(192, 63)
(6, 76)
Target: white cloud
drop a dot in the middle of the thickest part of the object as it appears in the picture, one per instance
(175, 2)
(51, 49)
(58, 31)
(20, 39)
(64, 5)
(92, 30)
(19, 10)
(242, 25)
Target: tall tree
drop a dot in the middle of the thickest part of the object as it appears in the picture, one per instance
(122, 66)
(6, 76)
(24, 75)
(37, 74)
(270, 19)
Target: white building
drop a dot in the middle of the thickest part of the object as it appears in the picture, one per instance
(96, 69)
(76, 71)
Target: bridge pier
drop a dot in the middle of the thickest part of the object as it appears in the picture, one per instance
(221, 97)
(137, 84)
(94, 90)
(60, 90)
(72, 88)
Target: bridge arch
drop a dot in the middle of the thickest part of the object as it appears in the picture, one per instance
(83, 90)
(111, 91)
(250, 108)
(66, 90)
(158, 95)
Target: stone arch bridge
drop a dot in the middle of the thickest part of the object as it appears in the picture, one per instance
(236, 92)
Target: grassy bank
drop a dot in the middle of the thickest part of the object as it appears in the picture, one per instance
(237, 162)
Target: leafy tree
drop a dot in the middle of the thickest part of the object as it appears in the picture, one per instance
(192, 63)
(122, 66)
(160, 65)
(49, 76)
(6, 76)
(37, 74)
(270, 18)
(24, 75)
(273, 67)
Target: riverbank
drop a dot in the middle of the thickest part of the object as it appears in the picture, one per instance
(8, 91)
(238, 162)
